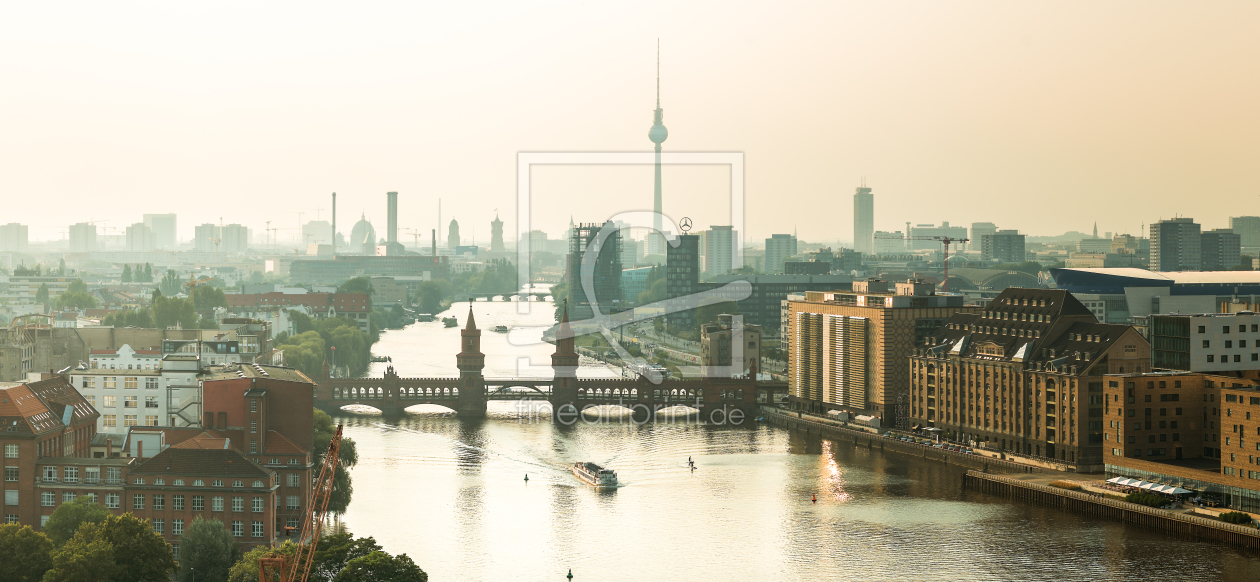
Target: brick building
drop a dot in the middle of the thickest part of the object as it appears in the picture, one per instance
(356, 307)
(1025, 375)
(39, 420)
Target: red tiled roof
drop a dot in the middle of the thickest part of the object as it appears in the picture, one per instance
(204, 440)
(277, 444)
(205, 462)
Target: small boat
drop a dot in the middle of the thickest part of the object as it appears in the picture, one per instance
(499, 329)
(450, 321)
(381, 359)
(595, 475)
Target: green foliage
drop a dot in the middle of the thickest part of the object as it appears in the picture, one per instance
(206, 551)
(392, 317)
(304, 351)
(337, 550)
(301, 321)
(24, 271)
(61, 267)
(347, 457)
(171, 284)
(134, 318)
(1244, 264)
(1237, 517)
(653, 287)
(207, 297)
(170, 311)
(148, 273)
(126, 274)
(357, 285)
(246, 569)
(24, 554)
(85, 558)
(41, 294)
(77, 286)
(381, 567)
(1147, 499)
(75, 301)
(430, 294)
(68, 517)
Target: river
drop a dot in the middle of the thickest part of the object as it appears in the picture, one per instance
(452, 495)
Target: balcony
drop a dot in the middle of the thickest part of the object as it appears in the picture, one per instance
(48, 479)
(92, 480)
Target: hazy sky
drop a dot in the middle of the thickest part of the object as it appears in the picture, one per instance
(1041, 116)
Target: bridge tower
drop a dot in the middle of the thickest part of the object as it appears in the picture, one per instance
(472, 385)
(564, 364)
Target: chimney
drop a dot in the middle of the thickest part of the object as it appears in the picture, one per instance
(109, 448)
(209, 423)
(334, 224)
(391, 200)
(435, 242)
(139, 449)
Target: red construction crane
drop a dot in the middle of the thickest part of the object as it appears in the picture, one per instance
(945, 240)
(277, 568)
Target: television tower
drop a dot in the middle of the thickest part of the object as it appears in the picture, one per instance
(658, 133)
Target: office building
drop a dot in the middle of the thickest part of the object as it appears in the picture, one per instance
(717, 247)
(1247, 227)
(1004, 246)
(234, 239)
(13, 237)
(1221, 250)
(942, 231)
(605, 274)
(140, 238)
(728, 349)
(1176, 245)
(980, 229)
(682, 276)
(317, 232)
(778, 248)
(164, 392)
(1024, 375)
(891, 243)
(163, 228)
(863, 220)
(343, 267)
(391, 217)
(82, 237)
(849, 349)
(1210, 343)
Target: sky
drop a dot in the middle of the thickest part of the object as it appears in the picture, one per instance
(1040, 116)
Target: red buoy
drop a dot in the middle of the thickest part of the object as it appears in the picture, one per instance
(815, 498)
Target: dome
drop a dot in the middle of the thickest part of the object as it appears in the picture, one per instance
(362, 232)
(658, 133)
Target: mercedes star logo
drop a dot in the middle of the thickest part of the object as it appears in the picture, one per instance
(684, 224)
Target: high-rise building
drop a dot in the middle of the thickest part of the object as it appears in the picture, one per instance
(204, 236)
(658, 134)
(890, 243)
(605, 275)
(1221, 249)
(496, 235)
(1176, 245)
(391, 221)
(778, 248)
(452, 235)
(1005, 246)
(682, 276)
(235, 239)
(163, 228)
(848, 350)
(82, 237)
(931, 230)
(717, 245)
(1247, 227)
(13, 237)
(979, 229)
(140, 238)
(1026, 374)
(864, 220)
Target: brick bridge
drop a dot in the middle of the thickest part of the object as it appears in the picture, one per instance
(468, 393)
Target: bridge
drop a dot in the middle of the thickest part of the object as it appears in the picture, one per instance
(469, 393)
(510, 296)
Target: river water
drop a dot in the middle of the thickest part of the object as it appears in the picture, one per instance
(451, 494)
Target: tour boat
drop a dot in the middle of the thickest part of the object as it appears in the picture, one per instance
(500, 328)
(595, 475)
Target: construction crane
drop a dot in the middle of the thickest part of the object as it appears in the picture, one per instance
(297, 568)
(944, 240)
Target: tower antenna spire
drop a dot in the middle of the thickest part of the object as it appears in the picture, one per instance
(658, 73)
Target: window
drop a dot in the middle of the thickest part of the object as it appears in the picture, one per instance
(137, 501)
(130, 402)
(179, 482)
(111, 381)
(48, 499)
(151, 383)
(11, 451)
(10, 473)
(258, 484)
(159, 525)
(112, 500)
(50, 474)
(69, 497)
(177, 528)
(198, 483)
(258, 529)
(1211, 358)
(253, 426)
(253, 446)
(129, 420)
(130, 382)
(253, 405)
(238, 528)
(1202, 329)
(1207, 344)
(177, 502)
(10, 517)
(92, 497)
(89, 381)
(70, 474)
(150, 402)
(291, 502)
(238, 504)
(295, 480)
(138, 481)
(216, 503)
(159, 502)
(291, 522)
(294, 461)
(199, 503)
(217, 483)
(150, 420)
(111, 401)
(257, 504)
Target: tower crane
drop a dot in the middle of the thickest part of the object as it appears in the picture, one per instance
(944, 240)
(297, 568)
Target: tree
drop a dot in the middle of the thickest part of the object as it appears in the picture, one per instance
(77, 286)
(381, 567)
(126, 274)
(337, 550)
(169, 312)
(68, 517)
(357, 285)
(148, 272)
(246, 569)
(61, 267)
(84, 559)
(206, 551)
(41, 294)
(24, 554)
(301, 321)
(141, 554)
(348, 456)
(171, 284)
(207, 297)
(75, 301)
(429, 295)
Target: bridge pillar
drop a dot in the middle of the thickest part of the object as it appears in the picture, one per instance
(472, 385)
(564, 364)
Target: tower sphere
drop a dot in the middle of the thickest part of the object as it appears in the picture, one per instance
(658, 133)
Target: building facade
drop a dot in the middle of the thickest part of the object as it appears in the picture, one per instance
(1176, 245)
(1219, 342)
(863, 220)
(163, 228)
(717, 248)
(1247, 227)
(727, 349)
(778, 248)
(1004, 246)
(1221, 250)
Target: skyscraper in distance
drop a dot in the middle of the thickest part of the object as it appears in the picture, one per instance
(864, 220)
(658, 133)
